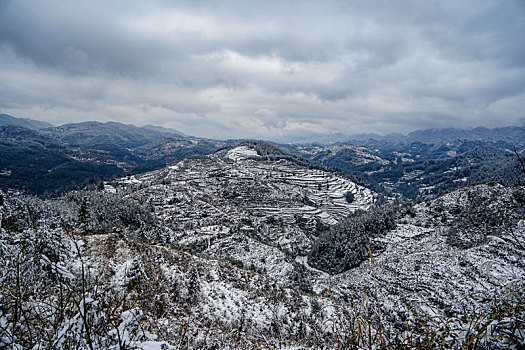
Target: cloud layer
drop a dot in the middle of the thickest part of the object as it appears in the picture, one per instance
(272, 69)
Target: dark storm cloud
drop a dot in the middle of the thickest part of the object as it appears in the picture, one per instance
(265, 69)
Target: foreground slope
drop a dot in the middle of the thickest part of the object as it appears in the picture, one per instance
(460, 254)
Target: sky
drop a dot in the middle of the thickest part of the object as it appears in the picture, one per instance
(265, 69)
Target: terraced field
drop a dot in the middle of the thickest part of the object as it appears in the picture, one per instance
(257, 187)
(212, 203)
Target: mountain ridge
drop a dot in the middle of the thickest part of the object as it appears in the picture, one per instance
(425, 162)
(6, 119)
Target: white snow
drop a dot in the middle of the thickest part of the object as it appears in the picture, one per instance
(241, 152)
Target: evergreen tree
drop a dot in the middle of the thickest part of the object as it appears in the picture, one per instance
(175, 289)
(134, 274)
(83, 214)
(194, 285)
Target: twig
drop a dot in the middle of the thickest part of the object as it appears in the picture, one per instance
(521, 160)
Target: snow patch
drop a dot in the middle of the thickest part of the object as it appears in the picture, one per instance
(241, 152)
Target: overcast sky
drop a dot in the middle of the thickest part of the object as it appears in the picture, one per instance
(265, 69)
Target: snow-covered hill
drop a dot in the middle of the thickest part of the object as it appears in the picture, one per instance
(220, 205)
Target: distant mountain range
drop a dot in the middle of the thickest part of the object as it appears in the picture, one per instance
(38, 157)
(41, 158)
(97, 134)
(410, 168)
(509, 133)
